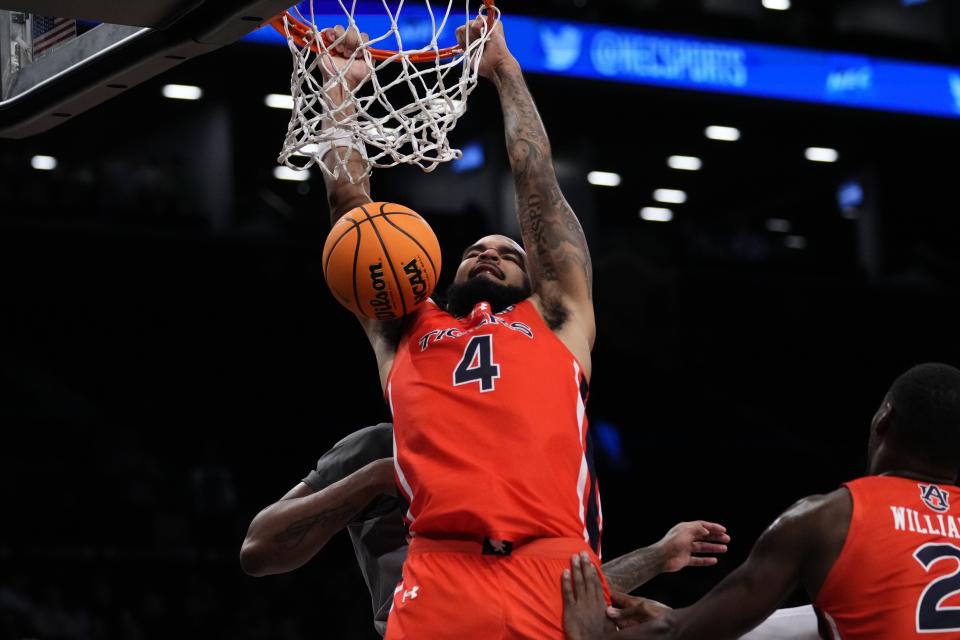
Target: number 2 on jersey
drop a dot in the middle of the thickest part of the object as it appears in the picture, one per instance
(931, 618)
(477, 365)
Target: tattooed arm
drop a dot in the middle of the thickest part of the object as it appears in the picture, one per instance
(556, 246)
(629, 571)
(674, 552)
(285, 535)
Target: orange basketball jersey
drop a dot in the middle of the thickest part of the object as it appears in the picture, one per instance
(489, 427)
(898, 575)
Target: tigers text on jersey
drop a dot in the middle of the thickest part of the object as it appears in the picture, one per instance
(897, 576)
(489, 426)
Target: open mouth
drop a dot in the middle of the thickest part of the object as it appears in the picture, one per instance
(487, 268)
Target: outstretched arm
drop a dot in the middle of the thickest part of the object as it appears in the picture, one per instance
(674, 552)
(285, 535)
(341, 74)
(552, 236)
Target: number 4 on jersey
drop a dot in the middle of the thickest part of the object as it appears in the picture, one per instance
(477, 364)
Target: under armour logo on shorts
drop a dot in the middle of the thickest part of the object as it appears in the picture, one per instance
(497, 547)
(412, 594)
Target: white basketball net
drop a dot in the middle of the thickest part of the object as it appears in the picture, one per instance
(400, 112)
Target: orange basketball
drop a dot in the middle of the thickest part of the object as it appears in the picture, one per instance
(381, 260)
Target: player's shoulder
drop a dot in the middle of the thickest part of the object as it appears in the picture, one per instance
(375, 437)
(430, 305)
(809, 516)
(807, 536)
(353, 452)
(823, 501)
(358, 449)
(429, 311)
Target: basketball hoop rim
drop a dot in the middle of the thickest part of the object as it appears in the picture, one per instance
(300, 33)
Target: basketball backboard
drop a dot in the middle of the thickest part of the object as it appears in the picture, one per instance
(59, 58)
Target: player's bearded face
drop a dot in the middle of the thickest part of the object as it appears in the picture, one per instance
(463, 296)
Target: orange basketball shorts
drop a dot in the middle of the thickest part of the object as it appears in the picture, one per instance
(452, 590)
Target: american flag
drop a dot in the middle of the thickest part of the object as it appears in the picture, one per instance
(48, 31)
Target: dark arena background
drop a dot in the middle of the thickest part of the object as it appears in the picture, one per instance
(171, 360)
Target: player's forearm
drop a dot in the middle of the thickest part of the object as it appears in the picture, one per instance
(552, 235)
(288, 533)
(342, 194)
(631, 570)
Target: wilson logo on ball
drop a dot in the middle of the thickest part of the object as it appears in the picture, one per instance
(380, 302)
(381, 260)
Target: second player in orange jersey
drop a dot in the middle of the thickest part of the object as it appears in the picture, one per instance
(897, 573)
(879, 557)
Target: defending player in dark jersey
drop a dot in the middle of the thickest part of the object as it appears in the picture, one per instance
(351, 488)
(880, 557)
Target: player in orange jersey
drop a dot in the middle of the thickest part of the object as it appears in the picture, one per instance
(879, 557)
(488, 397)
